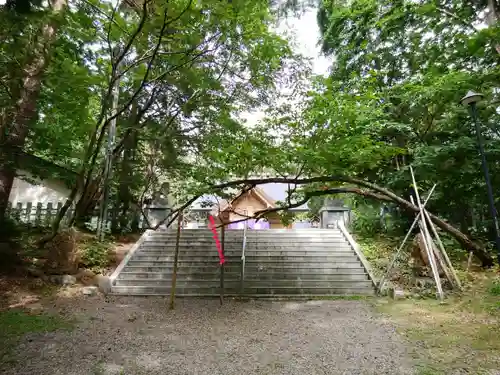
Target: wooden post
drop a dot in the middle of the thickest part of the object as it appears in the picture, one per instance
(176, 261)
(389, 267)
(48, 214)
(443, 251)
(29, 207)
(223, 241)
(38, 214)
(439, 258)
(426, 237)
(19, 210)
(469, 261)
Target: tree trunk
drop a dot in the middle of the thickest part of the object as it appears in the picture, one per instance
(24, 111)
(466, 242)
(492, 18)
(87, 203)
(376, 192)
(126, 171)
(7, 174)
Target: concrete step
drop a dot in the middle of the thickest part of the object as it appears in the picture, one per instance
(186, 244)
(238, 250)
(296, 244)
(295, 238)
(166, 275)
(248, 284)
(192, 252)
(334, 258)
(261, 264)
(273, 279)
(181, 283)
(250, 234)
(249, 268)
(299, 252)
(327, 283)
(333, 276)
(355, 273)
(239, 245)
(248, 253)
(214, 292)
(250, 237)
(198, 234)
(199, 231)
(250, 245)
(192, 239)
(252, 276)
(307, 259)
(169, 268)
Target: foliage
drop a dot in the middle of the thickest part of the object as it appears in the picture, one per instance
(378, 251)
(495, 288)
(367, 221)
(416, 60)
(9, 229)
(95, 255)
(187, 71)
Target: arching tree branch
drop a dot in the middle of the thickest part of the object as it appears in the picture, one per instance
(363, 188)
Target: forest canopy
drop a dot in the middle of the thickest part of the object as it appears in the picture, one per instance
(176, 80)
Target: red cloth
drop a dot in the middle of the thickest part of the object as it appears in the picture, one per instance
(216, 238)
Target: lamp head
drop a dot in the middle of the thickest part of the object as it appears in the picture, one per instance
(471, 98)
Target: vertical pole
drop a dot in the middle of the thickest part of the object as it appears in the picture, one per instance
(101, 228)
(469, 261)
(243, 258)
(223, 242)
(443, 251)
(389, 267)
(176, 262)
(486, 172)
(440, 262)
(427, 243)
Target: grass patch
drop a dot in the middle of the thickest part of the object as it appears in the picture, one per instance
(18, 322)
(15, 323)
(461, 334)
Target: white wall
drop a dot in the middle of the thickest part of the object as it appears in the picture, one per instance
(46, 192)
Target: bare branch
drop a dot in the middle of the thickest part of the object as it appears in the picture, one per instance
(457, 18)
(102, 13)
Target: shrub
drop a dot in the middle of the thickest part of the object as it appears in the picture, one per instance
(495, 288)
(9, 229)
(367, 222)
(95, 255)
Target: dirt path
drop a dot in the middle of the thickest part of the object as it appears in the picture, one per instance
(140, 336)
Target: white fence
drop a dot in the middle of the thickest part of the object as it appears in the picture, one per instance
(38, 214)
(43, 215)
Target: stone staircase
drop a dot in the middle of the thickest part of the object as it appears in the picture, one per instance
(277, 263)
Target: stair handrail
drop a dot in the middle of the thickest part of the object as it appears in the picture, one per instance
(243, 248)
(354, 245)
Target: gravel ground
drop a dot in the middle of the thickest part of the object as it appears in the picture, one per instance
(129, 335)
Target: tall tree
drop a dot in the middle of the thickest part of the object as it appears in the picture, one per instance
(15, 122)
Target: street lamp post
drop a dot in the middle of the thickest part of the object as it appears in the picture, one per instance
(471, 99)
